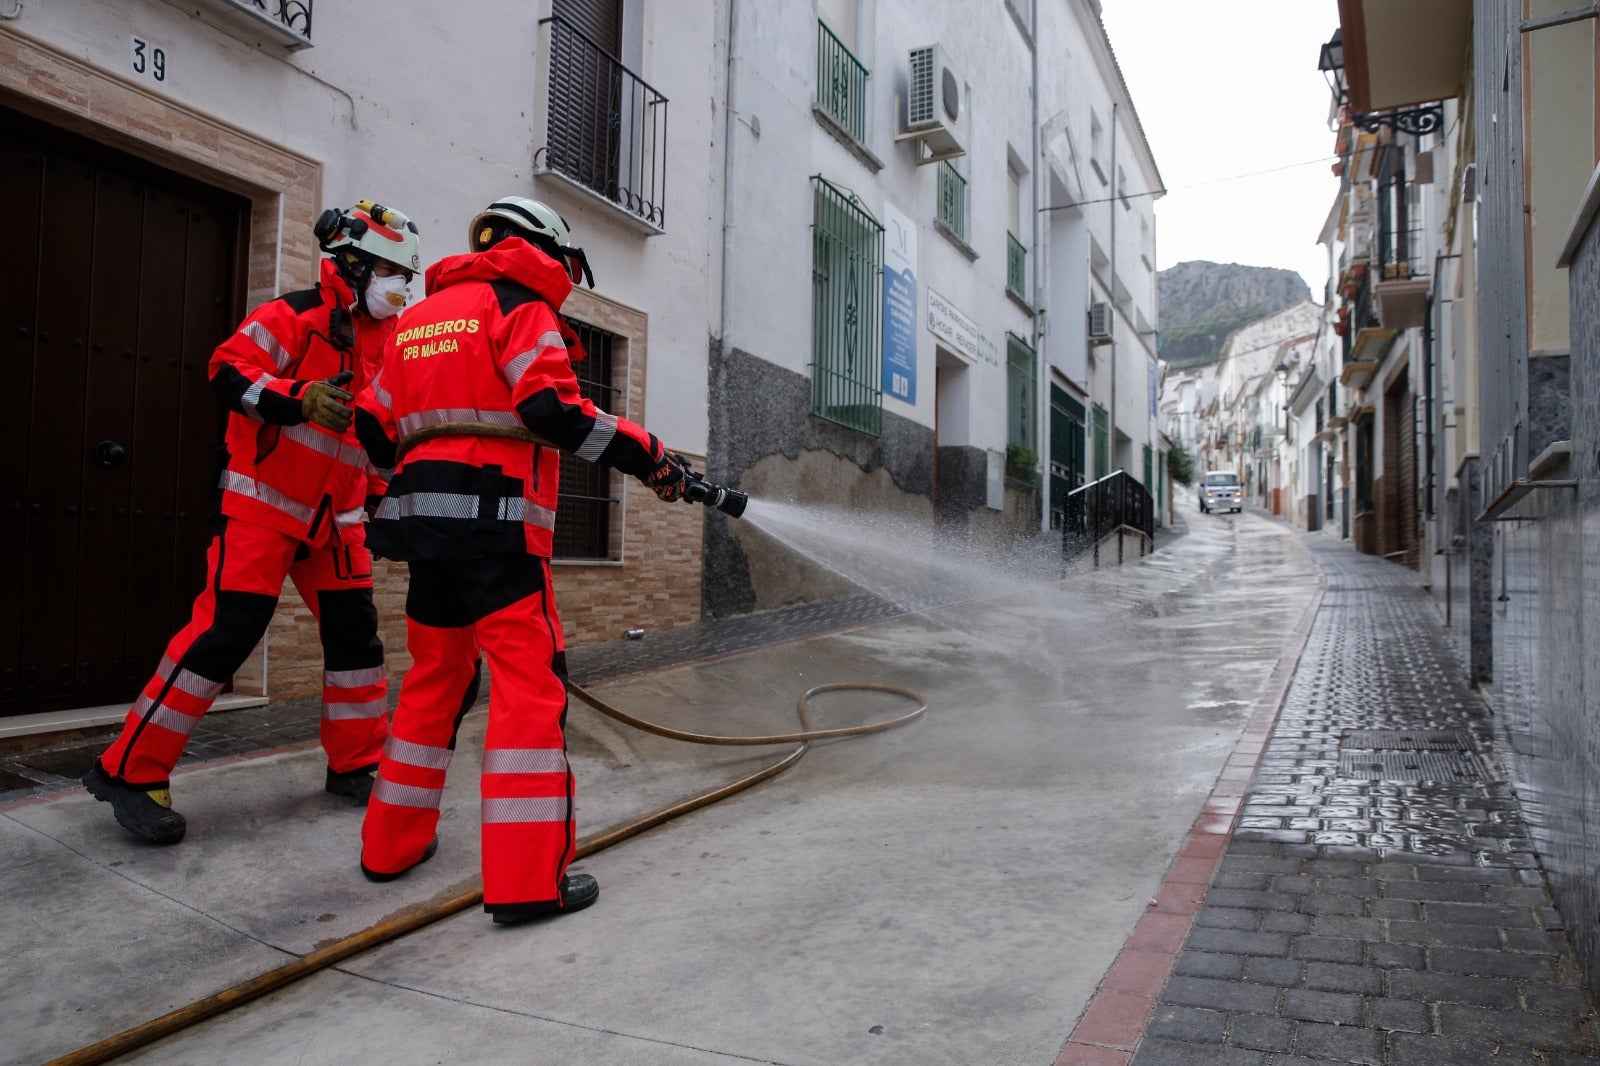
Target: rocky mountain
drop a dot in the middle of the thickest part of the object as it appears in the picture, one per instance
(1201, 303)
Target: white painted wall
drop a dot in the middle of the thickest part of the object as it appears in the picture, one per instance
(430, 108)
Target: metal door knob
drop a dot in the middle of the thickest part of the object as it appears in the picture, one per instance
(108, 453)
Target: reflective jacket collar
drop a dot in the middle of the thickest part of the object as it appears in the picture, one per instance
(514, 259)
(331, 282)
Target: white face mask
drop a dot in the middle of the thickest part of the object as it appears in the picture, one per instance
(386, 296)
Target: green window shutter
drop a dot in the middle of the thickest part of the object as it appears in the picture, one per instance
(846, 300)
(1102, 443)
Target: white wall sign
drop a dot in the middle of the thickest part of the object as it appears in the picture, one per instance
(148, 61)
(948, 323)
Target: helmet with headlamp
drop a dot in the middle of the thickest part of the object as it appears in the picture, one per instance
(536, 223)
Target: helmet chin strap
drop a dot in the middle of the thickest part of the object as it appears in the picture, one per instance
(357, 272)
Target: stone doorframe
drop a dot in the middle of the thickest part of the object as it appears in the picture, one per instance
(284, 188)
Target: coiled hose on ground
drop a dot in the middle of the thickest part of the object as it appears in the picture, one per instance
(471, 893)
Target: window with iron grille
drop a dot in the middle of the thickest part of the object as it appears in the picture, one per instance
(1102, 442)
(586, 506)
(953, 199)
(1021, 396)
(846, 294)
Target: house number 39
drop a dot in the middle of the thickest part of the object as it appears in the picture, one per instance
(148, 60)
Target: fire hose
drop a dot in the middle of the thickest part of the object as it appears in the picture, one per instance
(470, 893)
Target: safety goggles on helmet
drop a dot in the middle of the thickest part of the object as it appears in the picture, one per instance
(369, 232)
(519, 216)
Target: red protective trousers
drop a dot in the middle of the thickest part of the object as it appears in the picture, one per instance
(245, 567)
(503, 607)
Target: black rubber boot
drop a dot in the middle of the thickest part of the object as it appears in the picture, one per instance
(427, 853)
(577, 892)
(144, 811)
(355, 784)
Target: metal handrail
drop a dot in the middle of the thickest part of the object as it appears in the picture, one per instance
(1103, 507)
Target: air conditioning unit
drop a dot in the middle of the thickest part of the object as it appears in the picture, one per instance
(1099, 323)
(933, 105)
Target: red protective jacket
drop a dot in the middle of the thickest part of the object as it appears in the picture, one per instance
(284, 472)
(486, 345)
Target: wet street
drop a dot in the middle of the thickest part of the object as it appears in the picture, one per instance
(1028, 867)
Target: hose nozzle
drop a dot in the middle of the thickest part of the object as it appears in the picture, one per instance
(730, 502)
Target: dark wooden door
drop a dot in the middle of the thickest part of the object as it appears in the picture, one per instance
(116, 282)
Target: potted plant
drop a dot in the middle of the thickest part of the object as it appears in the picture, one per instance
(1022, 462)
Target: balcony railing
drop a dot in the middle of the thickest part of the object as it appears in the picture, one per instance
(841, 83)
(1016, 265)
(953, 199)
(607, 128)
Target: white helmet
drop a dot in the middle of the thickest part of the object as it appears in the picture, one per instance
(372, 231)
(537, 223)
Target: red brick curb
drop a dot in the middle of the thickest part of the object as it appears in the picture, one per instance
(1111, 1026)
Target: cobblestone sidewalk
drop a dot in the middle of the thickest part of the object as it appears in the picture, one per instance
(1379, 900)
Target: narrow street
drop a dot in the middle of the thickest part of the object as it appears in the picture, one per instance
(1016, 870)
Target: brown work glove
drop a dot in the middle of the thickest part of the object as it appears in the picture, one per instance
(326, 404)
(667, 480)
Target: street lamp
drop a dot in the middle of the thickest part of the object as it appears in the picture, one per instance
(1282, 370)
(1331, 63)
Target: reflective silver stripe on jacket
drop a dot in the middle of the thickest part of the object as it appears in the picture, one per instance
(334, 448)
(381, 393)
(263, 338)
(405, 795)
(343, 712)
(417, 419)
(605, 427)
(525, 809)
(543, 517)
(370, 675)
(446, 505)
(520, 364)
(349, 518)
(245, 485)
(525, 761)
(252, 396)
(421, 755)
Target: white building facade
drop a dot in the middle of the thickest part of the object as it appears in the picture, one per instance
(904, 260)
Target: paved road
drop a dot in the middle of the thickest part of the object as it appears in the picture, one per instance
(952, 892)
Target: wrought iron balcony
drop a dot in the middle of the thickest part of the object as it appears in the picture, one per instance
(841, 83)
(1016, 265)
(286, 22)
(953, 199)
(607, 128)
(295, 14)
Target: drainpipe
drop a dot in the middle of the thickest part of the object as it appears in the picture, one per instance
(1111, 416)
(729, 124)
(1041, 371)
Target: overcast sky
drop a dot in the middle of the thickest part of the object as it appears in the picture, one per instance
(1228, 88)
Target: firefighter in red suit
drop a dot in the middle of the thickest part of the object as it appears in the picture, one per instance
(293, 497)
(474, 404)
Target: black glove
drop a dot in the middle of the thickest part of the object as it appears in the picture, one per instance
(326, 404)
(668, 480)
